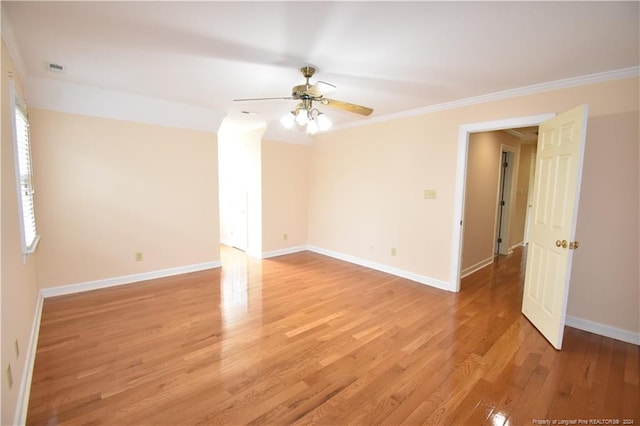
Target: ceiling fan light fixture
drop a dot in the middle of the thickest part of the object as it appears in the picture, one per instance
(307, 94)
(288, 120)
(304, 114)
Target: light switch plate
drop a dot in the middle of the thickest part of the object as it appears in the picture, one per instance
(430, 194)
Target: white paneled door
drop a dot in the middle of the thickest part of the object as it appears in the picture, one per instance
(553, 222)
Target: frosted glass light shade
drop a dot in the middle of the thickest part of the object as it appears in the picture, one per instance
(312, 127)
(323, 122)
(301, 117)
(288, 120)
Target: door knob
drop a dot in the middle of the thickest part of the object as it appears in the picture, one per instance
(562, 243)
(573, 245)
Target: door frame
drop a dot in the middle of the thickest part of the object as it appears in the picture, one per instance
(502, 223)
(461, 175)
(532, 172)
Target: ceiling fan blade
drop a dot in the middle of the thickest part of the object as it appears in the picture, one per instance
(263, 99)
(319, 88)
(346, 106)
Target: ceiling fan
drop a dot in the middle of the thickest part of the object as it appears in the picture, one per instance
(307, 94)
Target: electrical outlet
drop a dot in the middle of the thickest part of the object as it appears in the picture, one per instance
(430, 194)
(17, 348)
(393, 251)
(139, 257)
(9, 376)
(285, 236)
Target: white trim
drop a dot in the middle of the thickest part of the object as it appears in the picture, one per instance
(20, 415)
(515, 246)
(532, 174)
(475, 268)
(9, 38)
(282, 252)
(73, 98)
(603, 330)
(601, 77)
(509, 186)
(127, 279)
(58, 95)
(461, 175)
(442, 285)
(17, 104)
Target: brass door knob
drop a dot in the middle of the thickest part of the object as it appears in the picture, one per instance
(573, 245)
(562, 243)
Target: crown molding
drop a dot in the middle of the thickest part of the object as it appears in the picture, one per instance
(567, 83)
(10, 41)
(69, 97)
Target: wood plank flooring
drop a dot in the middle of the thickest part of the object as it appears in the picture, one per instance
(307, 339)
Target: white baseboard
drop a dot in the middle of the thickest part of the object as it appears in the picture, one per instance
(127, 279)
(20, 415)
(603, 330)
(474, 268)
(282, 252)
(442, 285)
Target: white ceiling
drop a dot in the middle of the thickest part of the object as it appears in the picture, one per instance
(390, 56)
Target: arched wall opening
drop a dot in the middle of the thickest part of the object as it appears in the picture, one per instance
(240, 181)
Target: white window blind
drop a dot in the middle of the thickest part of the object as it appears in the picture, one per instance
(24, 177)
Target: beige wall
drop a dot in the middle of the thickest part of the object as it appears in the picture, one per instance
(284, 193)
(481, 195)
(366, 186)
(108, 189)
(605, 281)
(19, 289)
(366, 190)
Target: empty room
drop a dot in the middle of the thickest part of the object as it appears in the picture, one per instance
(316, 212)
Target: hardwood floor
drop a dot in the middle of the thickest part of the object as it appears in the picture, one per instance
(304, 339)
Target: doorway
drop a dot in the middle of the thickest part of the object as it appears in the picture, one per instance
(495, 195)
(461, 176)
(556, 193)
(240, 182)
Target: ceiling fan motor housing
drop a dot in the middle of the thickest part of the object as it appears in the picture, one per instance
(300, 91)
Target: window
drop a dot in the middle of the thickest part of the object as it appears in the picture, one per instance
(22, 153)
